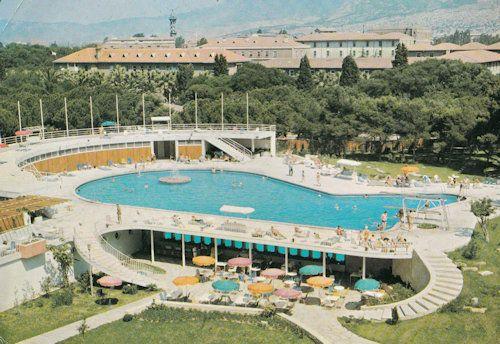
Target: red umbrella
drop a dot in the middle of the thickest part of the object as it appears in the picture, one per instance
(23, 132)
(288, 293)
(239, 262)
(272, 273)
(3, 145)
(108, 281)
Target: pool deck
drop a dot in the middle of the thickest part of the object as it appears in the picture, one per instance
(89, 218)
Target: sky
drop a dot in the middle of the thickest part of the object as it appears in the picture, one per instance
(94, 11)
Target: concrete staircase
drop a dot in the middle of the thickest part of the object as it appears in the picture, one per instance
(232, 148)
(445, 285)
(105, 258)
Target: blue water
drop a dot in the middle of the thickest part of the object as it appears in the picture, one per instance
(272, 199)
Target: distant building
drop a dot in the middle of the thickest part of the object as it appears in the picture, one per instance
(489, 59)
(327, 45)
(132, 59)
(139, 42)
(419, 34)
(429, 50)
(260, 47)
(365, 64)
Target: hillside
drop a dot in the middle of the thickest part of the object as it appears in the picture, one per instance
(214, 18)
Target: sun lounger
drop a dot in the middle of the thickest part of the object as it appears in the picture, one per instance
(233, 227)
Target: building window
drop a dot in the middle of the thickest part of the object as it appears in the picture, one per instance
(340, 44)
(354, 53)
(314, 45)
(275, 53)
(380, 52)
(250, 55)
(393, 43)
(328, 44)
(328, 53)
(379, 43)
(432, 55)
(267, 53)
(393, 52)
(354, 43)
(340, 53)
(314, 53)
(242, 53)
(367, 44)
(258, 53)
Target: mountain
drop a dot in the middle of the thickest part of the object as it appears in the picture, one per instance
(225, 17)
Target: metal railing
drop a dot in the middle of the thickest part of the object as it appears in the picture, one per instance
(51, 135)
(239, 147)
(125, 260)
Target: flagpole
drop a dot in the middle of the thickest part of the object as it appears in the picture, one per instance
(66, 116)
(91, 118)
(222, 109)
(143, 113)
(19, 114)
(248, 122)
(196, 110)
(41, 116)
(117, 115)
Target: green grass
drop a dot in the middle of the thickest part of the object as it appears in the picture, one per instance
(452, 327)
(373, 168)
(169, 325)
(39, 316)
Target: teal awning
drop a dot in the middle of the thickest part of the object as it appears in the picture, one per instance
(304, 253)
(316, 254)
(207, 240)
(238, 244)
(108, 124)
(270, 248)
(281, 250)
(227, 243)
(168, 235)
(294, 251)
(197, 239)
(259, 247)
(178, 236)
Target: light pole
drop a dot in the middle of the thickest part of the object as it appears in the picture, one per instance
(89, 246)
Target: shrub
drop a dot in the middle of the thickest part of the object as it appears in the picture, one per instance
(268, 311)
(128, 317)
(63, 297)
(455, 306)
(84, 282)
(130, 289)
(46, 285)
(470, 251)
(151, 287)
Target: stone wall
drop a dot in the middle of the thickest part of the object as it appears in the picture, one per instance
(412, 271)
(128, 242)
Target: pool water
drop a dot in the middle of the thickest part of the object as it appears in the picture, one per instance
(272, 199)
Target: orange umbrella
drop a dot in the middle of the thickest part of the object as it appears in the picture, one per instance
(260, 288)
(185, 280)
(203, 261)
(319, 281)
(407, 169)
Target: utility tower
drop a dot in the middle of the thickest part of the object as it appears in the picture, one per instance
(173, 20)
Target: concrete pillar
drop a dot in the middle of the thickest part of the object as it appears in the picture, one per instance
(324, 264)
(250, 246)
(152, 246)
(176, 150)
(363, 269)
(253, 144)
(216, 251)
(203, 149)
(183, 251)
(273, 144)
(286, 259)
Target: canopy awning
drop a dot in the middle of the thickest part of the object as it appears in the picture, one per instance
(160, 119)
(236, 210)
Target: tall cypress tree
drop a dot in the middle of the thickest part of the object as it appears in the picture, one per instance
(401, 56)
(350, 72)
(220, 65)
(304, 81)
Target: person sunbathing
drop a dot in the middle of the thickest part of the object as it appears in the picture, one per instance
(276, 233)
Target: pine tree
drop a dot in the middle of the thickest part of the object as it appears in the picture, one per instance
(305, 81)
(183, 76)
(401, 56)
(350, 72)
(220, 65)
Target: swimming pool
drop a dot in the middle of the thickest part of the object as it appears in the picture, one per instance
(272, 199)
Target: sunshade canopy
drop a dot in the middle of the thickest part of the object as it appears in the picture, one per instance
(236, 210)
(203, 261)
(311, 270)
(225, 286)
(367, 284)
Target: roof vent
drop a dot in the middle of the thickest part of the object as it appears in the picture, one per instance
(195, 54)
(138, 55)
(152, 55)
(167, 55)
(181, 54)
(109, 55)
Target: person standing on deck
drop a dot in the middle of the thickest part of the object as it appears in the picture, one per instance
(318, 179)
(303, 176)
(119, 213)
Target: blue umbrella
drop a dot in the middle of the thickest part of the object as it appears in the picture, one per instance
(108, 124)
(225, 286)
(310, 270)
(367, 284)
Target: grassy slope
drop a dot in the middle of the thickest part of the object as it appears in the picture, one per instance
(210, 331)
(463, 327)
(394, 169)
(29, 320)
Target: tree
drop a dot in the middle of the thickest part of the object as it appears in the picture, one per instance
(259, 31)
(283, 31)
(458, 37)
(220, 65)
(401, 56)
(82, 329)
(140, 34)
(201, 41)
(483, 209)
(183, 77)
(64, 258)
(350, 72)
(179, 42)
(489, 143)
(305, 81)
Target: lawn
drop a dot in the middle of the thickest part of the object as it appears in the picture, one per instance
(39, 316)
(454, 325)
(383, 168)
(169, 325)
